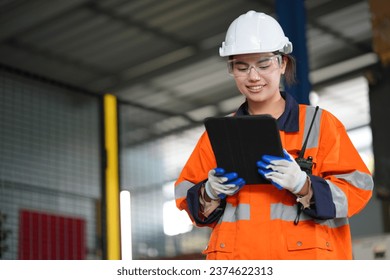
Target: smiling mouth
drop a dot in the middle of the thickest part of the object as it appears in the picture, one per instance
(255, 87)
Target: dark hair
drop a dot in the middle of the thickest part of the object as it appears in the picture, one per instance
(290, 73)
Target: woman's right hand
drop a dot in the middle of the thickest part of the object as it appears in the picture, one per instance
(221, 184)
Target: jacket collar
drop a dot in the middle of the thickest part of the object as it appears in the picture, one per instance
(288, 121)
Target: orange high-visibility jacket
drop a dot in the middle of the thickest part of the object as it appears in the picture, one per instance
(258, 221)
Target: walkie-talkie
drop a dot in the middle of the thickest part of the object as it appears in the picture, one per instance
(306, 164)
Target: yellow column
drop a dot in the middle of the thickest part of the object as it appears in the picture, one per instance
(112, 177)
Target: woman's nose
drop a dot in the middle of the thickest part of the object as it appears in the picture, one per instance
(253, 74)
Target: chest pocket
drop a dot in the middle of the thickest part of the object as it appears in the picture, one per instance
(307, 236)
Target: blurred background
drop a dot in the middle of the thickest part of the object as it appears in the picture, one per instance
(97, 97)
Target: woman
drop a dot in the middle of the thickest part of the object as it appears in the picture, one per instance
(303, 213)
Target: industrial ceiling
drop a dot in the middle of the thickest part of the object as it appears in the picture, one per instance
(162, 56)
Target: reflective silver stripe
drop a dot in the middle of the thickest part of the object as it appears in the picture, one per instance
(339, 199)
(279, 211)
(234, 214)
(283, 212)
(286, 213)
(359, 179)
(334, 223)
(312, 142)
(182, 188)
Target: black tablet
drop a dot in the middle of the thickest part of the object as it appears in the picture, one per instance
(239, 142)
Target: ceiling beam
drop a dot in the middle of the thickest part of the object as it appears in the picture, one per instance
(127, 20)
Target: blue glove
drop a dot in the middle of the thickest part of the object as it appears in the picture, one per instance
(221, 184)
(283, 172)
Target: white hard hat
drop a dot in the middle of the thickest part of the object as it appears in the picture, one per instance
(255, 32)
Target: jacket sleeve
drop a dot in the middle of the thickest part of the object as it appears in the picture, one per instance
(191, 178)
(195, 211)
(342, 184)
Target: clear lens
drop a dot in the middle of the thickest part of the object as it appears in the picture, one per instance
(263, 67)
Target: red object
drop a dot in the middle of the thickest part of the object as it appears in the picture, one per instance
(44, 236)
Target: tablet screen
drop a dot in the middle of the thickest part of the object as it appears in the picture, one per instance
(239, 142)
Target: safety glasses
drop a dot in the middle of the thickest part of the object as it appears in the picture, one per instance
(264, 66)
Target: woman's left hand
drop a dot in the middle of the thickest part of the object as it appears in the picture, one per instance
(283, 172)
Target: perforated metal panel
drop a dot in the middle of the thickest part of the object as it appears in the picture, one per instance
(145, 170)
(49, 151)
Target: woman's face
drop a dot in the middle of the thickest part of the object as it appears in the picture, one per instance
(257, 76)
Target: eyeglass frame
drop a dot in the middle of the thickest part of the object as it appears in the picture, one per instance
(245, 72)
